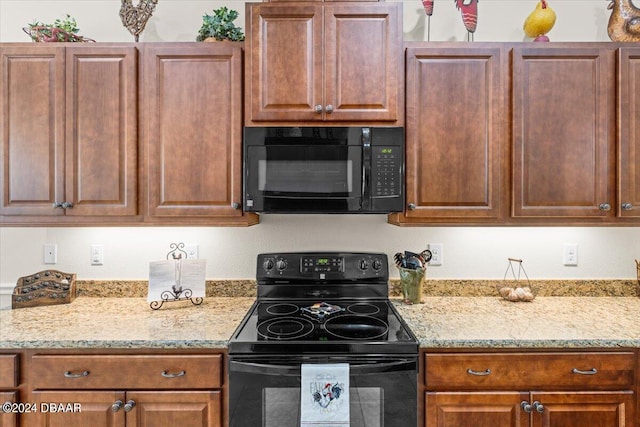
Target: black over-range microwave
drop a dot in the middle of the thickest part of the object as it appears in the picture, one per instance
(323, 169)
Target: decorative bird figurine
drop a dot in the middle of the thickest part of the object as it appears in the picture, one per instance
(624, 22)
(135, 18)
(540, 22)
(469, 11)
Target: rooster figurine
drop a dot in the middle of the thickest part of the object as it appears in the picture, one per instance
(469, 11)
(624, 22)
(540, 22)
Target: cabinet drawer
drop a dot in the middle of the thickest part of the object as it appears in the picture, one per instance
(8, 370)
(156, 372)
(597, 370)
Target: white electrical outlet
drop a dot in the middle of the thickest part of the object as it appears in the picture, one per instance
(571, 254)
(436, 253)
(50, 253)
(191, 250)
(97, 254)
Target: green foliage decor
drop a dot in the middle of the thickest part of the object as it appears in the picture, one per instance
(220, 26)
(62, 30)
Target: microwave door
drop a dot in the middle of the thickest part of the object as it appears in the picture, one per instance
(304, 178)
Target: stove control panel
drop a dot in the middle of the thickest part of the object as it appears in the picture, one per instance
(324, 266)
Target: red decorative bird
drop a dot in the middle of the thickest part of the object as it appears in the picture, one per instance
(469, 10)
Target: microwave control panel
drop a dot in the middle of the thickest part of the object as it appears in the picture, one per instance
(385, 171)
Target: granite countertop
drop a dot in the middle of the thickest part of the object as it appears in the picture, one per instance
(546, 322)
(123, 323)
(440, 322)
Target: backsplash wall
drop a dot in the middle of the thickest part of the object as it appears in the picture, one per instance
(469, 252)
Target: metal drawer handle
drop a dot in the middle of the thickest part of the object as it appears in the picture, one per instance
(479, 373)
(69, 374)
(591, 371)
(171, 375)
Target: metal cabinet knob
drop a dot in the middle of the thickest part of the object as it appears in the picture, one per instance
(67, 205)
(605, 207)
(627, 206)
(526, 406)
(56, 205)
(129, 405)
(412, 207)
(329, 109)
(117, 405)
(235, 205)
(539, 407)
(318, 109)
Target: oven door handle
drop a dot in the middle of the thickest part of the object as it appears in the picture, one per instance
(294, 368)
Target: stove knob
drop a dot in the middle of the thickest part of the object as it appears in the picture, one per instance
(377, 265)
(281, 264)
(364, 264)
(267, 264)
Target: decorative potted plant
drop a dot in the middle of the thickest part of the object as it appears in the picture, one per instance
(62, 30)
(220, 26)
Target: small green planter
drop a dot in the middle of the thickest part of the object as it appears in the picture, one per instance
(412, 282)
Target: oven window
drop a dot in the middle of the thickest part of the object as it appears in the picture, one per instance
(305, 176)
(281, 407)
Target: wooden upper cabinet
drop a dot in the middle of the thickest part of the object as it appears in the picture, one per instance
(563, 136)
(629, 133)
(455, 134)
(69, 131)
(193, 131)
(32, 129)
(101, 125)
(319, 62)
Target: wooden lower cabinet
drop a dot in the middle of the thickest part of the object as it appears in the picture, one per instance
(505, 409)
(530, 389)
(129, 409)
(8, 419)
(114, 389)
(492, 409)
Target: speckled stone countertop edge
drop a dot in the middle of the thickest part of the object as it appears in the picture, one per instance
(115, 345)
(431, 287)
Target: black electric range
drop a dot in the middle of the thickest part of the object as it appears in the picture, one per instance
(325, 302)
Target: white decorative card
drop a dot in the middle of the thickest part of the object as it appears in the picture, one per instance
(175, 279)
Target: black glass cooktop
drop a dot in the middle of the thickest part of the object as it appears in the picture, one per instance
(325, 326)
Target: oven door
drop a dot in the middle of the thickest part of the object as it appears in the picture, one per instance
(302, 173)
(265, 392)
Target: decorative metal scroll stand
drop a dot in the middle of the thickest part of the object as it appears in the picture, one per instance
(177, 293)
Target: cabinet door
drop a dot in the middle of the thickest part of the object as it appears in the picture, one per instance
(32, 130)
(456, 148)
(175, 408)
(563, 106)
(8, 419)
(101, 123)
(284, 72)
(629, 133)
(193, 130)
(96, 409)
(487, 409)
(579, 409)
(364, 66)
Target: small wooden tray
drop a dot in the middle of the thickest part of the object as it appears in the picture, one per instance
(48, 287)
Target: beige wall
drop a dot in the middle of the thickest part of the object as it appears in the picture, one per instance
(179, 20)
(230, 252)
